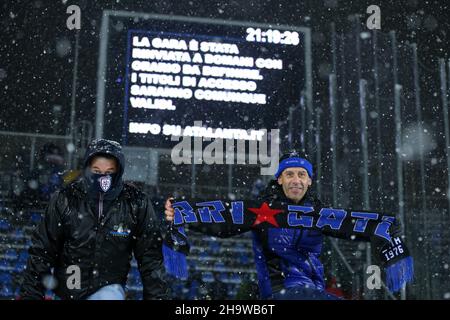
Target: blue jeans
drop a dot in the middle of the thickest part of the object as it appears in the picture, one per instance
(110, 292)
(303, 293)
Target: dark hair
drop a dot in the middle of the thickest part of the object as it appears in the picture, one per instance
(102, 155)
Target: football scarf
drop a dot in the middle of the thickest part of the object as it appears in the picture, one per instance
(219, 216)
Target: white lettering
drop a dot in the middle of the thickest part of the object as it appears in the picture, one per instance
(164, 55)
(229, 60)
(136, 127)
(227, 84)
(148, 103)
(226, 72)
(269, 63)
(144, 42)
(217, 47)
(243, 97)
(160, 67)
(169, 44)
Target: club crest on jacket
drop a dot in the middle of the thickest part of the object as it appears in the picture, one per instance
(120, 230)
(105, 183)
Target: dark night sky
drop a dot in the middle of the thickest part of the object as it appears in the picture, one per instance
(36, 60)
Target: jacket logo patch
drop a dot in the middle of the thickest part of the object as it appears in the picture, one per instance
(120, 231)
(105, 183)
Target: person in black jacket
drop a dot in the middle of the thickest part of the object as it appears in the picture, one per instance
(89, 232)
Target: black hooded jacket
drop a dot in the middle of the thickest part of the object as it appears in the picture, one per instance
(72, 237)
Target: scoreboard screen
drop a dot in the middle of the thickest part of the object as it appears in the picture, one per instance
(163, 75)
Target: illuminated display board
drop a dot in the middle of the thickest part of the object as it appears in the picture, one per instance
(163, 73)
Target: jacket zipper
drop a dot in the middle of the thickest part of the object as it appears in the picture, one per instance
(100, 207)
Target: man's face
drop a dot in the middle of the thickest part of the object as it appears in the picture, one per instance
(295, 183)
(102, 165)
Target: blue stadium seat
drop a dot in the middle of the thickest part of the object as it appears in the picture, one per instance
(203, 255)
(192, 264)
(223, 277)
(20, 267)
(4, 263)
(11, 254)
(5, 278)
(18, 234)
(219, 266)
(214, 246)
(23, 256)
(207, 277)
(4, 225)
(243, 258)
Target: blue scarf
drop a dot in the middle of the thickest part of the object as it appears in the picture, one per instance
(234, 217)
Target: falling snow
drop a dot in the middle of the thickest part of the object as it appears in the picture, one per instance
(375, 144)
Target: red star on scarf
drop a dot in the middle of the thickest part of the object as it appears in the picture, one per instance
(265, 214)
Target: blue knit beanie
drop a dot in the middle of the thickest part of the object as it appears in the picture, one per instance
(295, 162)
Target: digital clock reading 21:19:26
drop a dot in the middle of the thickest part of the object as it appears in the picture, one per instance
(273, 36)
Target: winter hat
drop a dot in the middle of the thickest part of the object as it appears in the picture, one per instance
(105, 147)
(293, 160)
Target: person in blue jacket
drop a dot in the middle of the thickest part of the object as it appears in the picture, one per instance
(287, 260)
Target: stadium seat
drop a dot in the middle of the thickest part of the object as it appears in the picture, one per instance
(207, 277)
(223, 277)
(23, 256)
(19, 267)
(18, 234)
(5, 278)
(219, 266)
(243, 258)
(11, 254)
(35, 217)
(5, 225)
(4, 263)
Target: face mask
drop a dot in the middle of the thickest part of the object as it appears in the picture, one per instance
(101, 182)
